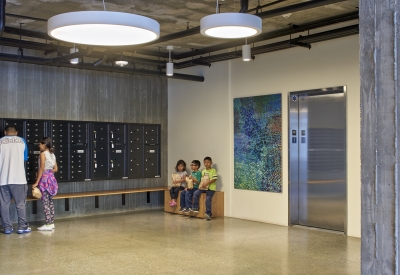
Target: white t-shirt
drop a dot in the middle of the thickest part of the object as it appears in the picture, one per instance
(13, 154)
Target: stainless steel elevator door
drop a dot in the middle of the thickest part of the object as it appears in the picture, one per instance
(320, 161)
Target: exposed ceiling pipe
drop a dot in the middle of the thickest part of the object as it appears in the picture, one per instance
(244, 6)
(300, 44)
(272, 35)
(89, 66)
(26, 17)
(29, 33)
(49, 48)
(282, 45)
(66, 57)
(263, 15)
(2, 16)
(266, 5)
(296, 7)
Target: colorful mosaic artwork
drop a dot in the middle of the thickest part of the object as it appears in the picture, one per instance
(258, 143)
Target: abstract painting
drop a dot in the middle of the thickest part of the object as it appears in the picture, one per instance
(258, 143)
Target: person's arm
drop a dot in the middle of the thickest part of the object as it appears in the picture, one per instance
(214, 179)
(194, 179)
(183, 177)
(25, 150)
(41, 169)
(208, 183)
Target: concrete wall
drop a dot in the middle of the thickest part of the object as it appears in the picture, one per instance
(200, 118)
(43, 92)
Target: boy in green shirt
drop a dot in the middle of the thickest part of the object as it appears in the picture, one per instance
(187, 194)
(208, 187)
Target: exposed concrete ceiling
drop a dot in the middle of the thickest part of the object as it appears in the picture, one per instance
(174, 16)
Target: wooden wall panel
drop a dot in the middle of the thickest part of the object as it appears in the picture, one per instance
(44, 92)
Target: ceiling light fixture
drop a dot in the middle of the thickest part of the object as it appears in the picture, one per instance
(246, 52)
(103, 28)
(121, 61)
(74, 60)
(230, 25)
(170, 65)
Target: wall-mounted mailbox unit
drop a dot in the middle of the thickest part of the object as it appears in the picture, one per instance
(93, 150)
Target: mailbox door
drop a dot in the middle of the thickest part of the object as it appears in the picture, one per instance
(135, 166)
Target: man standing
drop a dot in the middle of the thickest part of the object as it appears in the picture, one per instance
(13, 154)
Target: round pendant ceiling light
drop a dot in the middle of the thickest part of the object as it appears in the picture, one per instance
(103, 28)
(230, 25)
(121, 63)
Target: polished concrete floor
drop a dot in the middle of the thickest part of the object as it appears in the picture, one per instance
(161, 243)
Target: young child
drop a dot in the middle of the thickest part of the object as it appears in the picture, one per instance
(209, 186)
(180, 169)
(187, 194)
(46, 181)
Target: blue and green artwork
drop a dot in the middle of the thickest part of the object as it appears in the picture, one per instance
(258, 143)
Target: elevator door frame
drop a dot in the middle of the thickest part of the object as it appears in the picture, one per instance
(293, 186)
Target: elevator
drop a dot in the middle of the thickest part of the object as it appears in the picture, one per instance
(317, 158)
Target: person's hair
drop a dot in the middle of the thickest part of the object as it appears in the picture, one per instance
(196, 162)
(49, 144)
(208, 158)
(11, 129)
(179, 163)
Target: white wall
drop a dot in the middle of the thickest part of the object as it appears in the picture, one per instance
(194, 105)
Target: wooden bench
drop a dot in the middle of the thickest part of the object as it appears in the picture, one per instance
(217, 205)
(97, 194)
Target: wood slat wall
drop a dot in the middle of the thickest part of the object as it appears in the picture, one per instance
(44, 92)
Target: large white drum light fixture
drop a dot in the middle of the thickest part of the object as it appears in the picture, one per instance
(103, 28)
(231, 25)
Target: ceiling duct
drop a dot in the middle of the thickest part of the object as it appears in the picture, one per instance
(2, 16)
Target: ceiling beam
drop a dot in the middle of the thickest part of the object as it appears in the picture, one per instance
(89, 66)
(28, 33)
(55, 48)
(282, 45)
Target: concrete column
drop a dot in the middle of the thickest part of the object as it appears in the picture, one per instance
(380, 116)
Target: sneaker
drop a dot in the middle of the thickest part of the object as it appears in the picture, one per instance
(52, 226)
(24, 231)
(182, 209)
(46, 227)
(8, 231)
(195, 210)
(187, 210)
(207, 217)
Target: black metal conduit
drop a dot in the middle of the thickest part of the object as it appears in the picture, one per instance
(2, 16)
(282, 45)
(265, 36)
(54, 48)
(296, 7)
(244, 6)
(266, 5)
(272, 35)
(89, 66)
